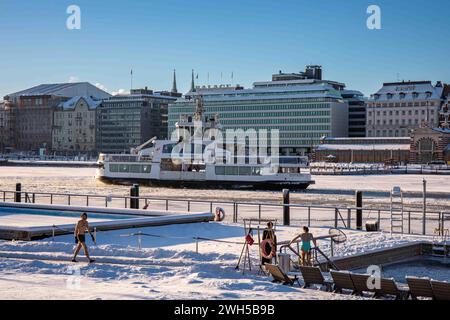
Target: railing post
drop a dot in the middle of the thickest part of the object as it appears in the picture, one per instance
(286, 208)
(68, 199)
(34, 197)
(87, 201)
(309, 216)
(259, 213)
(424, 222)
(335, 217)
(409, 222)
(189, 206)
(359, 204)
(167, 204)
(237, 211)
(18, 194)
(51, 198)
(349, 219)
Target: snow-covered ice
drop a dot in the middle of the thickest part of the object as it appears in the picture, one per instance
(166, 267)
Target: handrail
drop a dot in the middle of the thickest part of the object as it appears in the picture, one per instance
(267, 204)
(315, 249)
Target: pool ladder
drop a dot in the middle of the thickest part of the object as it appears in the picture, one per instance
(440, 247)
(397, 210)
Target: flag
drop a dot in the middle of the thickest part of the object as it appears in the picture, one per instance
(196, 77)
(249, 240)
(131, 71)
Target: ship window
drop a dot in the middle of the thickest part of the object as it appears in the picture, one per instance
(245, 171)
(135, 168)
(231, 170)
(124, 168)
(114, 168)
(146, 169)
(256, 171)
(220, 170)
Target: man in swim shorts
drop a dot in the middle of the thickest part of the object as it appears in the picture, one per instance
(306, 247)
(80, 237)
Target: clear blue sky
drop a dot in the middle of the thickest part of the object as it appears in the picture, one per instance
(252, 38)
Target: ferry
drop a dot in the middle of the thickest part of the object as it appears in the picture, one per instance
(202, 163)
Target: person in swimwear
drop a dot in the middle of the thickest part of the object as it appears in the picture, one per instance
(80, 237)
(306, 247)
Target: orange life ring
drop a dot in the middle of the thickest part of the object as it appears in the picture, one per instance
(264, 251)
(219, 214)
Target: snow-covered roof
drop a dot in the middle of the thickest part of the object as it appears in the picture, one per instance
(63, 90)
(399, 91)
(70, 104)
(367, 147)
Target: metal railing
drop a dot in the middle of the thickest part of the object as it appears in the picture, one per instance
(236, 211)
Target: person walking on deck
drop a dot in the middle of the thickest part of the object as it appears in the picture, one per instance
(80, 237)
(306, 247)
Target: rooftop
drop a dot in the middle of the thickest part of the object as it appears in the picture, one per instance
(63, 90)
(70, 104)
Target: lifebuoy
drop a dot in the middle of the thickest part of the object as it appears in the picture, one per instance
(268, 254)
(219, 214)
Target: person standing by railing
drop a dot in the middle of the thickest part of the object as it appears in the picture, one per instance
(80, 237)
(306, 247)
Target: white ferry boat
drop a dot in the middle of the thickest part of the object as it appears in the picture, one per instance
(154, 163)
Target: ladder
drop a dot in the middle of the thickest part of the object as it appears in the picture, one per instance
(440, 248)
(396, 210)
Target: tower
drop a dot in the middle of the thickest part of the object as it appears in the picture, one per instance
(174, 84)
(192, 82)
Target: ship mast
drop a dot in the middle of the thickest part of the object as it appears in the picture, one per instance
(199, 109)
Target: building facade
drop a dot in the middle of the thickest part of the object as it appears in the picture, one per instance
(430, 145)
(399, 107)
(363, 150)
(32, 112)
(302, 106)
(74, 128)
(444, 116)
(126, 121)
(356, 113)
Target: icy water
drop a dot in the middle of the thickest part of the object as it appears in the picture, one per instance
(82, 180)
(418, 268)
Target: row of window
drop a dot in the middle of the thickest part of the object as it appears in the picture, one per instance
(403, 104)
(130, 168)
(174, 109)
(236, 170)
(397, 112)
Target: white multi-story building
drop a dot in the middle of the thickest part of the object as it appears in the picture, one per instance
(303, 107)
(74, 126)
(399, 107)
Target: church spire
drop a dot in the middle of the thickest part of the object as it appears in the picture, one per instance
(174, 84)
(192, 82)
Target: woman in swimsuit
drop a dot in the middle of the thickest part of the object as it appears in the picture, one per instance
(306, 238)
(80, 238)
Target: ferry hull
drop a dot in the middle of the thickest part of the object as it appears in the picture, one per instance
(213, 184)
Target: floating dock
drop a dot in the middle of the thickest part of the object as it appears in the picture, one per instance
(14, 229)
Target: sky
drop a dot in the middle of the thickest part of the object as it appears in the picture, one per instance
(249, 39)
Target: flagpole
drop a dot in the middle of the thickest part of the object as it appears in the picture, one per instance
(131, 88)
